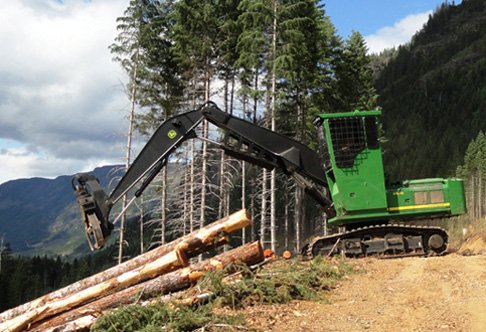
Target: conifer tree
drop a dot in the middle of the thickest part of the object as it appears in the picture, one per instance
(130, 49)
(355, 76)
(473, 172)
(255, 45)
(226, 44)
(301, 63)
(196, 28)
(161, 88)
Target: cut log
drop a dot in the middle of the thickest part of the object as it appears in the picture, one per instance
(169, 262)
(160, 260)
(249, 254)
(19, 324)
(222, 227)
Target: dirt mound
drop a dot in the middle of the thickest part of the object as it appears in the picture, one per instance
(474, 245)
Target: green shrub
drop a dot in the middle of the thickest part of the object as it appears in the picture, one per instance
(169, 317)
(279, 282)
(282, 282)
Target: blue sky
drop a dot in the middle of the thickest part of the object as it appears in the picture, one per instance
(384, 23)
(368, 16)
(62, 106)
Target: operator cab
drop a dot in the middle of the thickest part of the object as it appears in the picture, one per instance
(351, 157)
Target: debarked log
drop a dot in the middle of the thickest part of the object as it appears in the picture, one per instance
(249, 254)
(159, 261)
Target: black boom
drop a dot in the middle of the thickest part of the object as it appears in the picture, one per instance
(243, 140)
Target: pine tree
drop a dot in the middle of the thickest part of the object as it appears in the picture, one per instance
(144, 48)
(302, 55)
(256, 17)
(355, 76)
(196, 29)
(130, 49)
(473, 172)
(161, 89)
(226, 44)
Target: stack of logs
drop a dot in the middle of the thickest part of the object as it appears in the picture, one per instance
(160, 271)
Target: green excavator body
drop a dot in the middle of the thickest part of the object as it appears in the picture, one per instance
(361, 193)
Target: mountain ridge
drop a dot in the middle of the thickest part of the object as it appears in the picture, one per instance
(39, 215)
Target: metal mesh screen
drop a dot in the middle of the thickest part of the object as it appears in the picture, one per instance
(348, 139)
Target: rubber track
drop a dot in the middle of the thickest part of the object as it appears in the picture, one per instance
(379, 231)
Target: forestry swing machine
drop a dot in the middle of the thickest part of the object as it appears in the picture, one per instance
(346, 178)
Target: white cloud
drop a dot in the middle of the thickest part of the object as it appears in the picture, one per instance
(60, 94)
(20, 162)
(401, 33)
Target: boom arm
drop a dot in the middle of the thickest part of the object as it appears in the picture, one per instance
(243, 140)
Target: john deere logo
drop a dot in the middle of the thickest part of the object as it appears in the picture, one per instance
(172, 134)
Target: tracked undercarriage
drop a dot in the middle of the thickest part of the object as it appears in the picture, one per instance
(384, 240)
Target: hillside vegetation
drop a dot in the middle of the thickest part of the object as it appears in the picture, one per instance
(433, 93)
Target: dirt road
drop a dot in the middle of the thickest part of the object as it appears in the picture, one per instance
(409, 294)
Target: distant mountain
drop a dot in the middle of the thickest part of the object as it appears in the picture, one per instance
(41, 217)
(433, 92)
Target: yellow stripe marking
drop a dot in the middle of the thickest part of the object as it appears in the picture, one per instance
(414, 207)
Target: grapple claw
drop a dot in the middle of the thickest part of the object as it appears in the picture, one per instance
(93, 210)
(94, 232)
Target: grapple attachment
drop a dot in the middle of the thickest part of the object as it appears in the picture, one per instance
(94, 209)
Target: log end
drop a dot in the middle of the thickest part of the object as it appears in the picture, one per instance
(237, 221)
(268, 253)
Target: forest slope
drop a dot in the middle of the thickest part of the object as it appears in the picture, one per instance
(433, 92)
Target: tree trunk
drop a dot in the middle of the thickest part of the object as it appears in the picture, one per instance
(286, 218)
(142, 213)
(253, 182)
(297, 218)
(129, 148)
(243, 198)
(263, 216)
(273, 174)
(480, 200)
(163, 207)
(192, 198)
(185, 200)
(202, 217)
(205, 130)
(222, 181)
(192, 203)
(249, 254)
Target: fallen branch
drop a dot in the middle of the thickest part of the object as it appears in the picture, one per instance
(333, 247)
